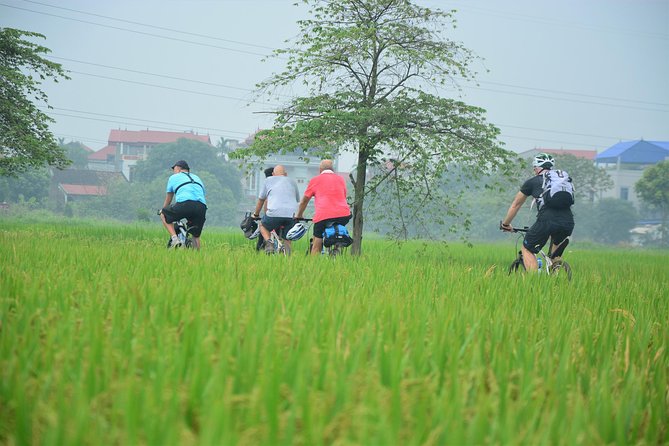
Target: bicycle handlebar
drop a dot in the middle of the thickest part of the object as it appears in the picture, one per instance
(523, 229)
(296, 219)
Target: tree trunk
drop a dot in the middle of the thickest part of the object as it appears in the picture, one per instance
(358, 201)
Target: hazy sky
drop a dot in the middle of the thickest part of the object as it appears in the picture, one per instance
(579, 74)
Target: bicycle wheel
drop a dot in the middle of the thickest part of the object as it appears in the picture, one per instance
(560, 268)
(517, 266)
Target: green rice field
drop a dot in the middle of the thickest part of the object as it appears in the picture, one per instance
(108, 338)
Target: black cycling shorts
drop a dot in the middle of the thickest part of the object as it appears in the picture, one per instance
(319, 228)
(280, 224)
(194, 211)
(541, 230)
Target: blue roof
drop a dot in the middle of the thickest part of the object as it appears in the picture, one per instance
(635, 152)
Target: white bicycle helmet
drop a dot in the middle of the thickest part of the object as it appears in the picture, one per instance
(297, 231)
(543, 160)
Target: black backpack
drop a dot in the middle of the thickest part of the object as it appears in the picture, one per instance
(557, 190)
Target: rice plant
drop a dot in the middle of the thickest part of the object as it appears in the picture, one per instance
(106, 337)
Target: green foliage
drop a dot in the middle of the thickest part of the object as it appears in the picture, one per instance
(108, 337)
(31, 184)
(608, 220)
(76, 153)
(141, 201)
(201, 158)
(653, 189)
(25, 138)
(367, 65)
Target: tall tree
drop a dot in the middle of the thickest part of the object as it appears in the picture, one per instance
(31, 184)
(589, 179)
(25, 138)
(370, 68)
(201, 157)
(76, 152)
(653, 189)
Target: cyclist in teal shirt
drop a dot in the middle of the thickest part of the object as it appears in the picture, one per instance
(188, 192)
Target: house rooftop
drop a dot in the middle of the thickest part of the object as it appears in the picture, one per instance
(103, 153)
(578, 153)
(635, 152)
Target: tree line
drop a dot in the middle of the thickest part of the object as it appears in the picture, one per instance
(371, 70)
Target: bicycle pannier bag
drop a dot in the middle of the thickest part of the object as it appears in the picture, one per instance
(558, 190)
(336, 234)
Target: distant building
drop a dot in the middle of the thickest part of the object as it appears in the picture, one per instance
(103, 160)
(75, 184)
(126, 147)
(578, 153)
(625, 163)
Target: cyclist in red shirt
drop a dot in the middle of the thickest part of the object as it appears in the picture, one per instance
(329, 190)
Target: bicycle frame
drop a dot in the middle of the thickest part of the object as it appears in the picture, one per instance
(278, 241)
(547, 262)
(183, 230)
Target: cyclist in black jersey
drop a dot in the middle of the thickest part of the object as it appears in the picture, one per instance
(554, 223)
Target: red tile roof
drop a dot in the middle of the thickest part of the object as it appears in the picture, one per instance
(81, 189)
(152, 137)
(587, 154)
(102, 153)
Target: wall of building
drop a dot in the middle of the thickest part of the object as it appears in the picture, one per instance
(623, 184)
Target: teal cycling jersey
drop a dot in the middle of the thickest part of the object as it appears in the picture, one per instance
(186, 186)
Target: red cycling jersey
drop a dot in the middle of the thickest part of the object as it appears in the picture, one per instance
(329, 190)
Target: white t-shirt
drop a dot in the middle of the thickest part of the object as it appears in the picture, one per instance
(282, 196)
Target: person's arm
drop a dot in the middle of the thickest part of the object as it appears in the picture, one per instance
(303, 205)
(168, 199)
(517, 203)
(259, 206)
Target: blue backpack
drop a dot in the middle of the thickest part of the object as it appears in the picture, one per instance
(336, 234)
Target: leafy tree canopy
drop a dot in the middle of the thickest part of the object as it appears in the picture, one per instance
(371, 69)
(25, 138)
(75, 152)
(33, 183)
(201, 157)
(613, 219)
(653, 189)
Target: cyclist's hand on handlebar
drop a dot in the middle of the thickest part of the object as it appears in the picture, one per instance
(505, 227)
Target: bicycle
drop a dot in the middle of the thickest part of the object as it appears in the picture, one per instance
(278, 240)
(183, 229)
(335, 244)
(546, 262)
